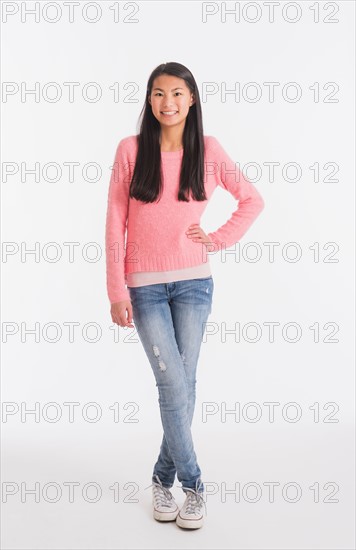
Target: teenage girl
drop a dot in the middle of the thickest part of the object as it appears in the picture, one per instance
(162, 180)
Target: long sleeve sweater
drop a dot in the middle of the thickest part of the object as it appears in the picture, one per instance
(152, 236)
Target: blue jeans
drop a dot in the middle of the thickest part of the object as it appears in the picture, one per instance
(170, 321)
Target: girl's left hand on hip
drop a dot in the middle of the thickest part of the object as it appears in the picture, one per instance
(196, 233)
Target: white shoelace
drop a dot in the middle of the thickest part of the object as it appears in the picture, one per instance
(163, 496)
(195, 499)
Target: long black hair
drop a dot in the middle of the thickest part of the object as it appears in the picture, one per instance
(146, 183)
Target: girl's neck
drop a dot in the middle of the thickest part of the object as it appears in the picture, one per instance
(170, 144)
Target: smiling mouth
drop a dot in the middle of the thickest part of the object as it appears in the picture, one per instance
(169, 113)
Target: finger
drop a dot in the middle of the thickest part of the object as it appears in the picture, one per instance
(127, 317)
(193, 228)
(129, 309)
(123, 321)
(118, 319)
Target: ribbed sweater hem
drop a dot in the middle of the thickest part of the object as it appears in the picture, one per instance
(166, 262)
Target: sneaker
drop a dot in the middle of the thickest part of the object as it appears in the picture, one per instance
(191, 515)
(164, 506)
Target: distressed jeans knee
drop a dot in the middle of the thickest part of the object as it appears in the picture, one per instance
(161, 363)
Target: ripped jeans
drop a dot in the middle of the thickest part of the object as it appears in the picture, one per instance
(170, 321)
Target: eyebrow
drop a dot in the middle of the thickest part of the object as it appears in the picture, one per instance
(173, 89)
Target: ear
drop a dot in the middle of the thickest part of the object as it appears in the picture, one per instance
(192, 101)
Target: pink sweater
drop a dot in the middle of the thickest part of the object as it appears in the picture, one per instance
(156, 239)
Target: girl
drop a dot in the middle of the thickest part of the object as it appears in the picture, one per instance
(162, 181)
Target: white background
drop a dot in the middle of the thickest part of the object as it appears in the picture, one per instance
(54, 293)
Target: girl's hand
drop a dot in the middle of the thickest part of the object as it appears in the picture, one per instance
(196, 233)
(121, 313)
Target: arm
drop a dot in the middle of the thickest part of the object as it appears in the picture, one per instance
(116, 221)
(250, 204)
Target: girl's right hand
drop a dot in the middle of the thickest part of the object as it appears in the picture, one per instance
(118, 313)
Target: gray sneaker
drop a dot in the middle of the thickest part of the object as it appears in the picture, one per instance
(164, 506)
(191, 515)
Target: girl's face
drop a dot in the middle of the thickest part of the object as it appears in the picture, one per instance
(170, 100)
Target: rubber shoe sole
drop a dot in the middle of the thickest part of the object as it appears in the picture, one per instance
(194, 523)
